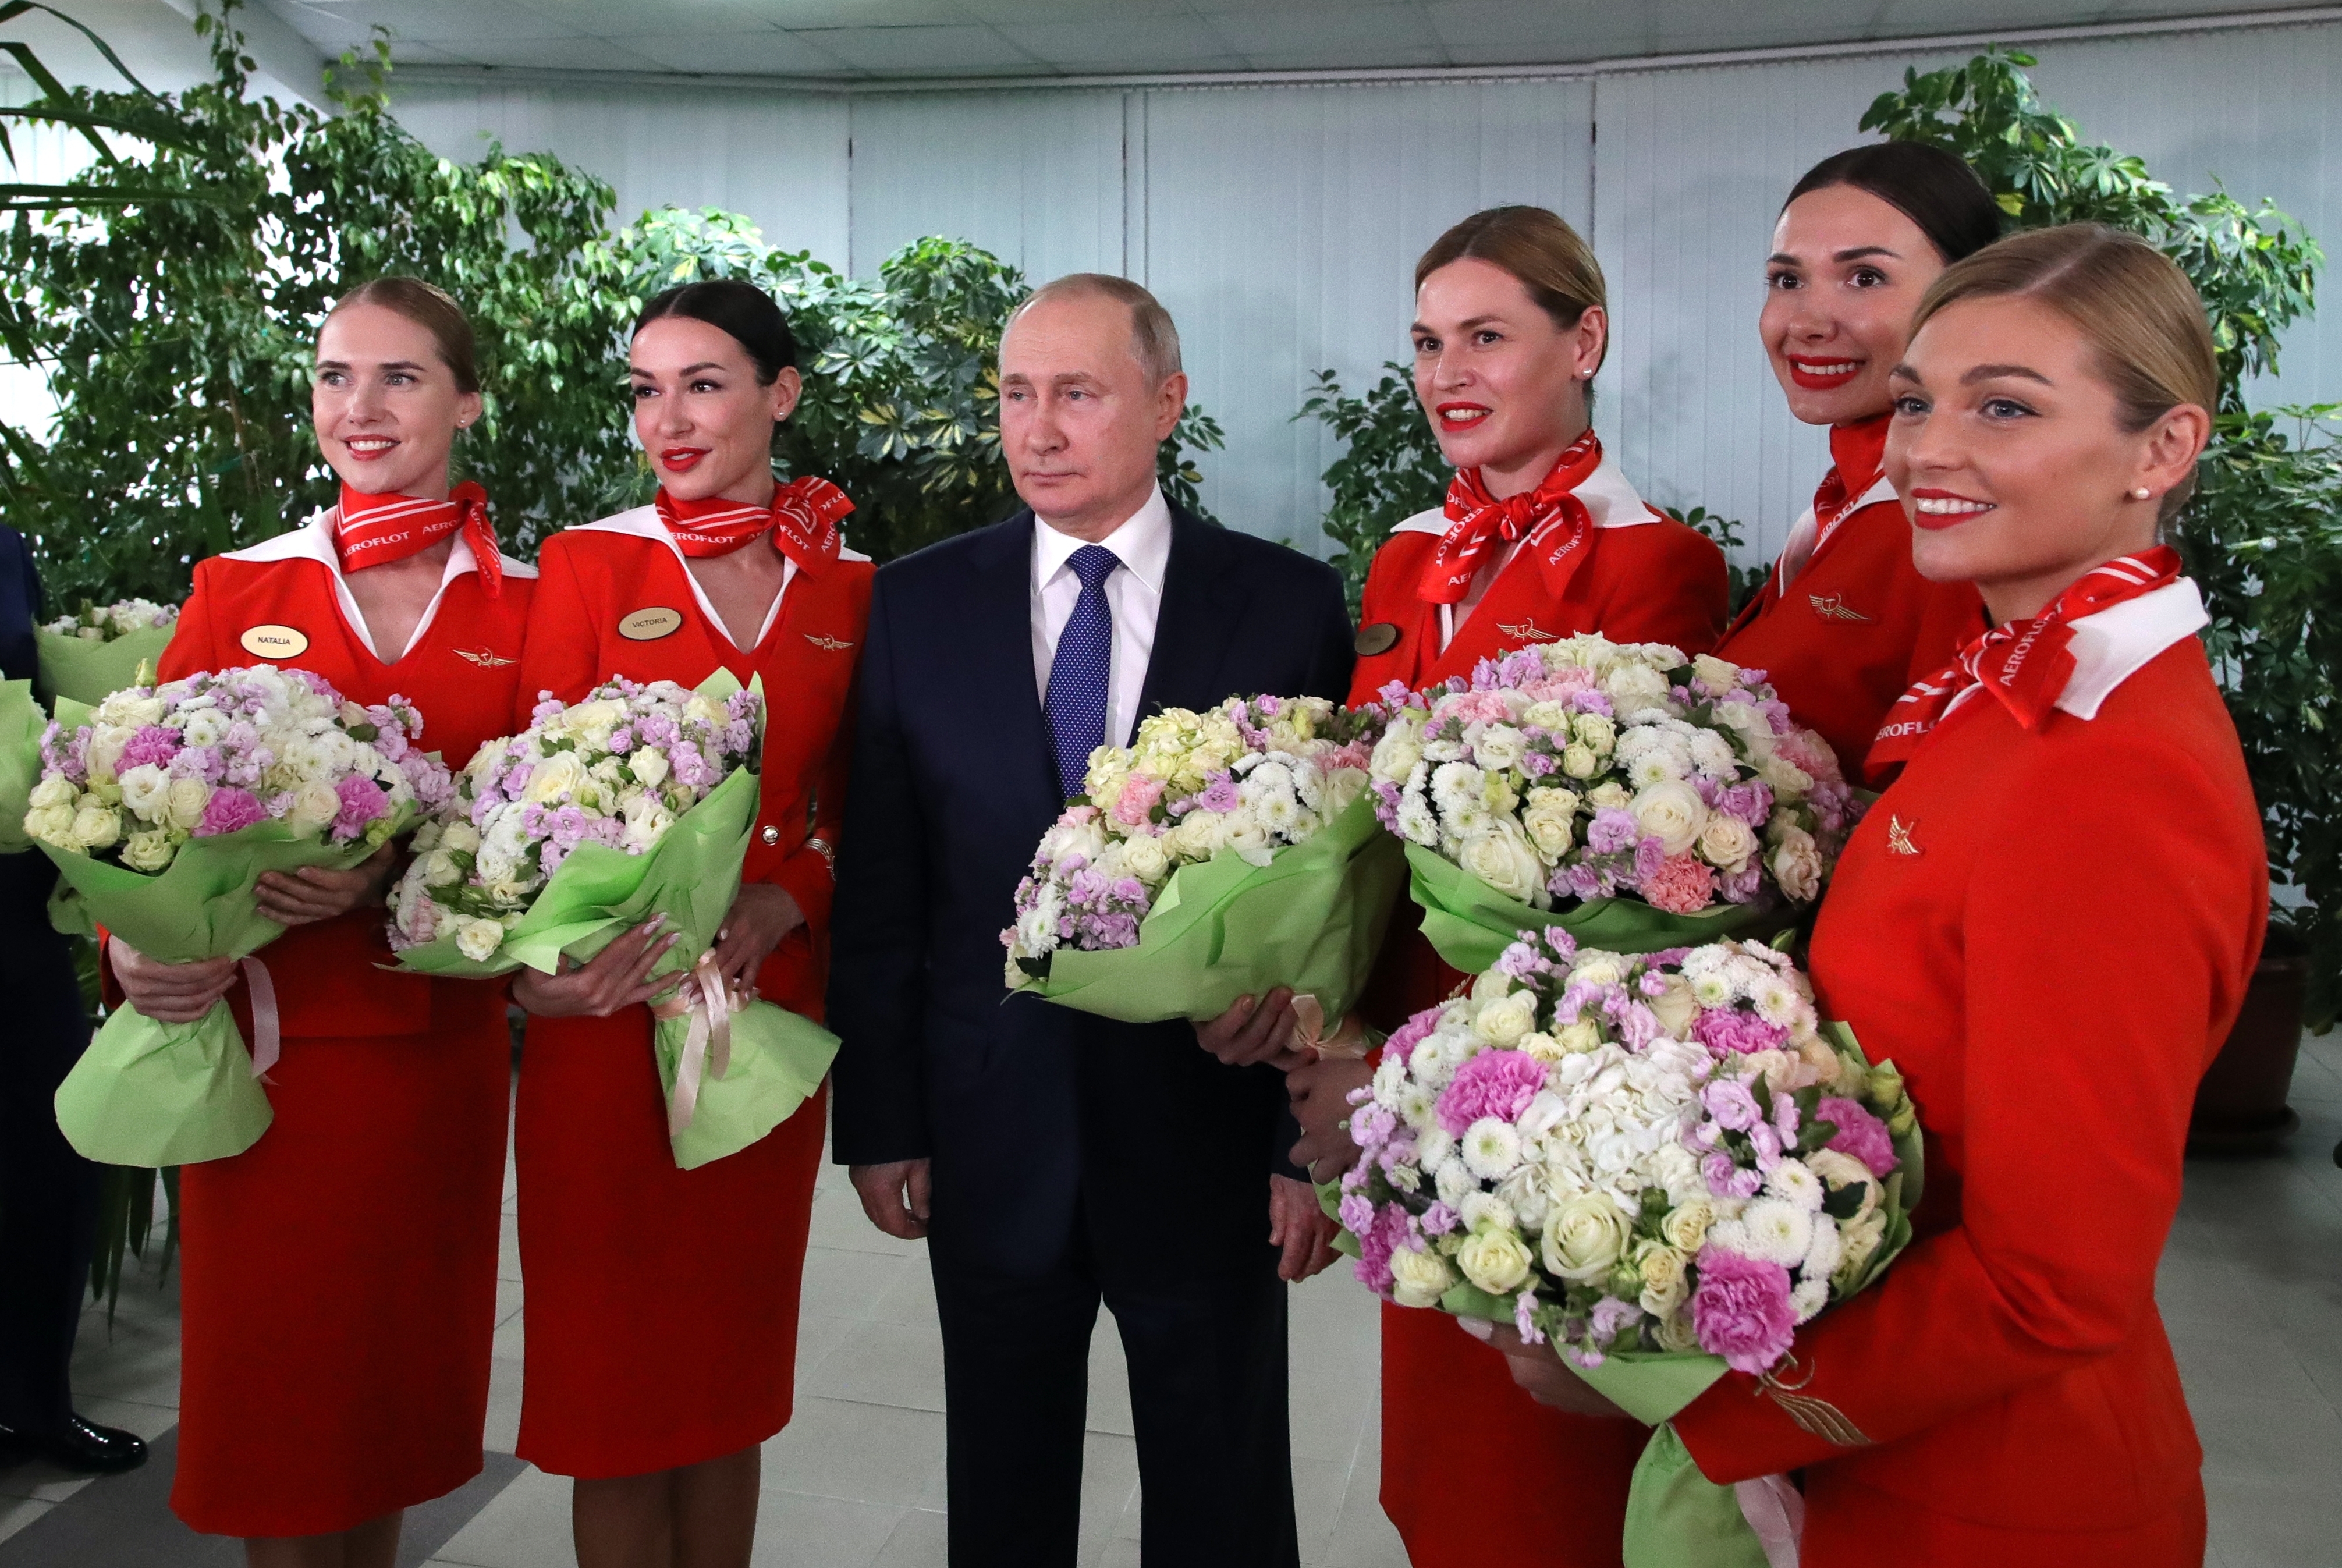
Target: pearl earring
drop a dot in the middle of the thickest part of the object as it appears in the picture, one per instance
(2140, 494)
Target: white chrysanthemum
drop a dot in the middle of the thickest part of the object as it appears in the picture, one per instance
(1793, 1181)
(1492, 1148)
(1778, 1231)
(1712, 988)
(1713, 754)
(1456, 788)
(1390, 1082)
(1416, 1106)
(1809, 1298)
(1824, 1253)
(1434, 1146)
(1485, 1211)
(1775, 1000)
(1453, 1180)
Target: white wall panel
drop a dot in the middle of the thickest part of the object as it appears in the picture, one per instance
(1036, 178)
(1282, 227)
(780, 158)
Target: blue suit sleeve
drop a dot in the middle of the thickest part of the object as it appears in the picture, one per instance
(878, 935)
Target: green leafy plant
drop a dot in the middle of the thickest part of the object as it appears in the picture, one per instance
(1389, 470)
(2263, 535)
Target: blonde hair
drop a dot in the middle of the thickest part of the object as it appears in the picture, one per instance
(1549, 258)
(1154, 337)
(429, 307)
(2142, 318)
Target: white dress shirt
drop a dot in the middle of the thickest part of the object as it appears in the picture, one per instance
(1134, 597)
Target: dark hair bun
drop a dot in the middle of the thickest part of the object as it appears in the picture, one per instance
(1933, 188)
(740, 309)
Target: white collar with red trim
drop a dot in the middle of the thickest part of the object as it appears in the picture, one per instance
(643, 522)
(2121, 640)
(314, 541)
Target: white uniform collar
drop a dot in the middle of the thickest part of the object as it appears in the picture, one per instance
(1141, 542)
(643, 522)
(1610, 500)
(314, 541)
(2119, 641)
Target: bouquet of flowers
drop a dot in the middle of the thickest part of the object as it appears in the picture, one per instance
(1221, 853)
(161, 807)
(21, 723)
(100, 650)
(1666, 1165)
(636, 801)
(1635, 797)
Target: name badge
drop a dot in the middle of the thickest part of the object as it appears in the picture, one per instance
(273, 642)
(1380, 637)
(649, 625)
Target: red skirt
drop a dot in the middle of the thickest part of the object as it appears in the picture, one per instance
(1550, 1488)
(1848, 1526)
(339, 1290)
(662, 1305)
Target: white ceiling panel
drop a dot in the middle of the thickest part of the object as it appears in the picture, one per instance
(767, 51)
(924, 50)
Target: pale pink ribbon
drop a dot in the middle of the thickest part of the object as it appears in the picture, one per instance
(1348, 1039)
(268, 1038)
(1776, 1511)
(709, 1002)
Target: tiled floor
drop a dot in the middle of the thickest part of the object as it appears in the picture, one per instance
(2251, 1286)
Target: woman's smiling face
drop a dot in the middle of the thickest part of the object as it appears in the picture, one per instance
(1845, 276)
(1502, 384)
(700, 411)
(384, 403)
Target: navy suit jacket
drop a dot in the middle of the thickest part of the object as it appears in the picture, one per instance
(25, 877)
(1035, 1115)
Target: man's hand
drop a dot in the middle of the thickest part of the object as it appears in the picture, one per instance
(1298, 1224)
(1538, 1369)
(895, 1195)
(619, 977)
(1320, 1093)
(762, 917)
(1248, 1033)
(169, 993)
(313, 894)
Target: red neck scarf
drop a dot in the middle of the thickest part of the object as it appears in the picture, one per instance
(2024, 664)
(369, 530)
(1555, 522)
(802, 520)
(1857, 459)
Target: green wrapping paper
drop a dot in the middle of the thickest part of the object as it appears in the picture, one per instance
(1312, 918)
(21, 723)
(90, 671)
(1471, 924)
(691, 877)
(152, 1093)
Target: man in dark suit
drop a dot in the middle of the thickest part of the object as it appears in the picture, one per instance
(1053, 1158)
(48, 1194)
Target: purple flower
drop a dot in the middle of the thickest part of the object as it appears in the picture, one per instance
(1859, 1135)
(1752, 802)
(1741, 1310)
(1357, 1213)
(1591, 702)
(362, 801)
(1498, 1084)
(1733, 1107)
(1219, 795)
(1650, 855)
(1371, 1125)
(151, 747)
(228, 810)
(1611, 831)
(1439, 1219)
(1536, 764)
(1727, 1180)
(1411, 1033)
(1525, 1307)
(198, 763)
(1583, 881)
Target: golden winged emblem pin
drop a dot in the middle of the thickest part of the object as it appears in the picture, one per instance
(827, 644)
(487, 658)
(1898, 836)
(1527, 632)
(1834, 607)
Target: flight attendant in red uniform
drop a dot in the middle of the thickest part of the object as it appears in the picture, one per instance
(339, 1293)
(1541, 538)
(2048, 922)
(1843, 623)
(663, 1304)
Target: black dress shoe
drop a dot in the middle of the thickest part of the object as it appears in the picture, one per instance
(89, 1449)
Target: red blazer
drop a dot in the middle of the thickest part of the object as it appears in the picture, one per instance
(1646, 579)
(606, 575)
(461, 672)
(2050, 935)
(1856, 626)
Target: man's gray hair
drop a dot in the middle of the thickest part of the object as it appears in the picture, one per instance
(1153, 339)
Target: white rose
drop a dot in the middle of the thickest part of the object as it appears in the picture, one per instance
(94, 828)
(149, 850)
(1596, 732)
(1144, 858)
(647, 820)
(1686, 1226)
(1796, 865)
(1495, 1260)
(1665, 1278)
(1419, 1279)
(184, 803)
(559, 774)
(648, 764)
(1551, 821)
(1584, 1237)
(54, 790)
(1579, 762)
(1858, 1239)
(1505, 1022)
(1675, 1007)
(1726, 842)
(1397, 754)
(143, 789)
(1788, 781)
(1578, 1039)
(53, 824)
(106, 744)
(1715, 674)
(478, 939)
(314, 805)
(1671, 812)
(1501, 856)
(1500, 746)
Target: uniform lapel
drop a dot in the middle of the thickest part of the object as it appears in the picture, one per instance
(998, 655)
(1200, 610)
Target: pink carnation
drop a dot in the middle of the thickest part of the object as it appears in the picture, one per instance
(1681, 885)
(362, 801)
(228, 810)
(1137, 800)
(1730, 1029)
(1860, 1135)
(1741, 1310)
(1809, 751)
(1498, 1084)
(1411, 1033)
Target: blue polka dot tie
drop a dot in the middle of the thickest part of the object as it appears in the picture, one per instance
(1080, 671)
